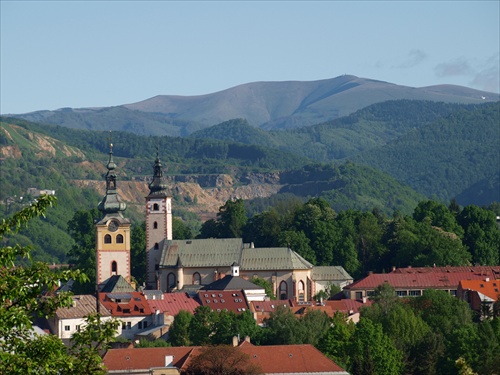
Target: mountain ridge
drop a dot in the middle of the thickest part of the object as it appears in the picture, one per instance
(268, 105)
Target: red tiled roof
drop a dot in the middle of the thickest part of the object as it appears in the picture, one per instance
(490, 288)
(424, 278)
(219, 300)
(485, 271)
(172, 303)
(276, 359)
(131, 304)
(144, 358)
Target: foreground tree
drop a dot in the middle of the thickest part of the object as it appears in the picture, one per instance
(27, 293)
(222, 360)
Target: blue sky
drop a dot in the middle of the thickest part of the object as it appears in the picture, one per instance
(77, 54)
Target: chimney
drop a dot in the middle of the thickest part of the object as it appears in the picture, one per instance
(487, 279)
(169, 360)
(365, 299)
(247, 339)
(393, 268)
(235, 341)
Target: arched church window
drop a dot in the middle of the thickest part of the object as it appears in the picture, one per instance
(157, 246)
(283, 290)
(156, 207)
(171, 282)
(155, 225)
(114, 268)
(107, 238)
(301, 291)
(196, 278)
(119, 238)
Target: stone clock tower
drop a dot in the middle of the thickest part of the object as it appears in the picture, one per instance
(112, 232)
(158, 223)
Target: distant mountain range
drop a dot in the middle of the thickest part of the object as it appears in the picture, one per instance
(265, 105)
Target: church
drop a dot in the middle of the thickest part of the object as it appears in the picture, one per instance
(189, 265)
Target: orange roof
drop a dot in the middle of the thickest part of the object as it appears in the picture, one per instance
(125, 304)
(490, 288)
(276, 359)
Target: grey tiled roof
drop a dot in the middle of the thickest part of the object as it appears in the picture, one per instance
(272, 258)
(231, 283)
(325, 273)
(116, 284)
(83, 305)
(201, 253)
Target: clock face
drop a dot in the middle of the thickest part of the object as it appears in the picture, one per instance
(113, 226)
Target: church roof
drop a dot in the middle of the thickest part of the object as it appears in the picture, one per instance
(116, 284)
(272, 258)
(224, 252)
(329, 273)
(231, 283)
(201, 253)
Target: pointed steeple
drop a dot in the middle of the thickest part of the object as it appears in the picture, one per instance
(158, 187)
(111, 203)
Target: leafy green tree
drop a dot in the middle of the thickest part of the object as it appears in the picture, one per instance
(267, 285)
(202, 326)
(482, 235)
(137, 252)
(225, 328)
(24, 297)
(180, 230)
(335, 342)
(232, 218)
(298, 242)
(82, 255)
(373, 351)
(439, 215)
(283, 327)
(178, 334)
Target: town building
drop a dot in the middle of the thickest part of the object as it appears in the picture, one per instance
(411, 282)
(481, 295)
(275, 359)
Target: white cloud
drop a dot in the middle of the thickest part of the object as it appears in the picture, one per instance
(458, 67)
(415, 57)
(487, 77)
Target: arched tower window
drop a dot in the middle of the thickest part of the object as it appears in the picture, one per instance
(301, 291)
(107, 238)
(171, 282)
(114, 268)
(119, 238)
(156, 207)
(196, 278)
(283, 290)
(157, 246)
(155, 225)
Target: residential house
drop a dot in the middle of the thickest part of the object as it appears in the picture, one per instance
(276, 359)
(481, 295)
(411, 282)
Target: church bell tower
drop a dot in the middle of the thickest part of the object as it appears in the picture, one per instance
(158, 223)
(112, 232)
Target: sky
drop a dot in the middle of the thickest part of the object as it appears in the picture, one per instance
(56, 54)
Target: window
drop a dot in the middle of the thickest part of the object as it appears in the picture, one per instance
(119, 238)
(129, 325)
(124, 325)
(197, 279)
(453, 293)
(415, 293)
(401, 293)
(107, 238)
(78, 327)
(155, 225)
(301, 291)
(140, 325)
(114, 268)
(156, 207)
(171, 281)
(157, 246)
(283, 290)
(67, 328)
(144, 325)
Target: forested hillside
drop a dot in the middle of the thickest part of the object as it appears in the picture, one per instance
(71, 162)
(455, 156)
